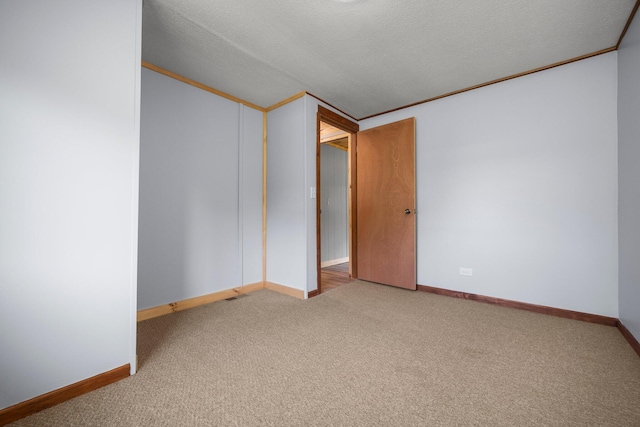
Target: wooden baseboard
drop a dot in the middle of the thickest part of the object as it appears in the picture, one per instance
(313, 293)
(173, 307)
(630, 338)
(39, 403)
(296, 293)
(334, 262)
(569, 314)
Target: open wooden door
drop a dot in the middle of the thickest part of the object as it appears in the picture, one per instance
(386, 242)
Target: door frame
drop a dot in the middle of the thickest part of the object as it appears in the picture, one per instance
(327, 116)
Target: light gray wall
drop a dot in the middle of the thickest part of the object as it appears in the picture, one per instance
(309, 173)
(518, 181)
(287, 195)
(291, 211)
(200, 185)
(335, 213)
(251, 193)
(629, 177)
(69, 121)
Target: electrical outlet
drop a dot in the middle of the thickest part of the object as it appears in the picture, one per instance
(312, 192)
(466, 271)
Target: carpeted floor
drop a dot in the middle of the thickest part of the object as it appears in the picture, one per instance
(366, 355)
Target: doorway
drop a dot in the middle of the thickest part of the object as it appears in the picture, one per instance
(380, 201)
(335, 182)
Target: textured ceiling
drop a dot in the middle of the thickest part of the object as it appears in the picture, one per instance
(370, 56)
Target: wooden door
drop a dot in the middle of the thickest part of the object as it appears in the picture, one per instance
(386, 242)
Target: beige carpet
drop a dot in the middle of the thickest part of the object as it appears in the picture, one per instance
(366, 355)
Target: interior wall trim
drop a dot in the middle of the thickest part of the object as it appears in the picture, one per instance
(200, 85)
(286, 101)
(559, 312)
(333, 106)
(174, 307)
(626, 27)
(633, 342)
(337, 120)
(337, 261)
(44, 401)
(301, 94)
(296, 293)
(264, 197)
(500, 80)
(313, 293)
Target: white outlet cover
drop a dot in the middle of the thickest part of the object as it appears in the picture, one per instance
(466, 271)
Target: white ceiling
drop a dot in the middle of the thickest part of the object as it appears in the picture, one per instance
(370, 56)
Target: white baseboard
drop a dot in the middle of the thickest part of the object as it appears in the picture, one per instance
(334, 262)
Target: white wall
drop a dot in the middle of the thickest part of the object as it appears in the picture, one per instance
(291, 211)
(251, 195)
(334, 195)
(69, 79)
(518, 181)
(287, 195)
(200, 184)
(310, 141)
(629, 177)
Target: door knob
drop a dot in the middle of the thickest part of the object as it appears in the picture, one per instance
(407, 211)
